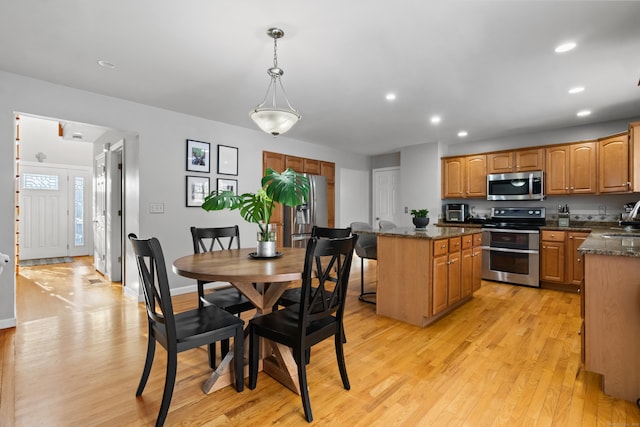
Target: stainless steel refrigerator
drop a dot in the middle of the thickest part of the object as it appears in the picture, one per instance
(299, 220)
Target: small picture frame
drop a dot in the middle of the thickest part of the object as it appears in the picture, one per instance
(227, 160)
(198, 156)
(197, 190)
(228, 185)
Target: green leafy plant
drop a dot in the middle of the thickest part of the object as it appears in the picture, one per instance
(420, 213)
(288, 188)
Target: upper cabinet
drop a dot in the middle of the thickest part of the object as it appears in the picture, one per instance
(516, 161)
(464, 177)
(279, 162)
(613, 164)
(571, 169)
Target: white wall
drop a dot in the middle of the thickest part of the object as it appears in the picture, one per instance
(420, 180)
(355, 197)
(158, 151)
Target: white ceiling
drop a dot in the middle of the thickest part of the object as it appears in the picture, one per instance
(485, 66)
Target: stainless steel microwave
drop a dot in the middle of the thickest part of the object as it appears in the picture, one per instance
(515, 186)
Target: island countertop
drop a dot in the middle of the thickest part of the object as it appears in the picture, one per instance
(612, 242)
(431, 232)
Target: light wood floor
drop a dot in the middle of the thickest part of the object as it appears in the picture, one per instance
(510, 357)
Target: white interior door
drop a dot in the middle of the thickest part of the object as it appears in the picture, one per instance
(99, 215)
(386, 195)
(43, 212)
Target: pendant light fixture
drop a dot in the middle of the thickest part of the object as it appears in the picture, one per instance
(269, 117)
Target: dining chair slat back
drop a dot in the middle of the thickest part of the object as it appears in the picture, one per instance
(318, 315)
(177, 332)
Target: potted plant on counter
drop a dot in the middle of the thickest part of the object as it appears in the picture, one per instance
(288, 188)
(420, 218)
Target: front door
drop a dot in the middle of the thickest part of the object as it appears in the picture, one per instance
(53, 211)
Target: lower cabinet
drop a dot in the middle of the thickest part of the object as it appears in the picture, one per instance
(560, 262)
(422, 279)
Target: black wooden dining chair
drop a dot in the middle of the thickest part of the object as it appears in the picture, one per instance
(226, 297)
(292, 296)
(318, 315)
(177, 332)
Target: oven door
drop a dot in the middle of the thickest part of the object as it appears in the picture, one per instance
(511, 256)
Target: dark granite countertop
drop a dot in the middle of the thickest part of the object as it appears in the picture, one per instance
(614, 241)
(431, 232)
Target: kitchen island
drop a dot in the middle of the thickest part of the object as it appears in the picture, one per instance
(425, 274)
(611, 310)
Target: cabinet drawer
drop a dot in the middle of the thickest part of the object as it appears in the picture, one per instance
(477, 239)
(454, 244)
(440, 247)
(467, 241)
(553, 236)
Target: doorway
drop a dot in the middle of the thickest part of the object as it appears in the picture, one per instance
(386, 195)
(51, 142)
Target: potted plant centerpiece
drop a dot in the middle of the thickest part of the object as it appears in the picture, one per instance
(420, 218)
(288, 188)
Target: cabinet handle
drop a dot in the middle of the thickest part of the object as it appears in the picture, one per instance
(443, 246)
(579, 260)
(570, 237)
(579, 332)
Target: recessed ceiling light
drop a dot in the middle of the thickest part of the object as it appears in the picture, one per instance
(565, 47)
(435, 119)
(106, 64)
(391, 96)
(576, 89)
(583, 113)
(463, 133)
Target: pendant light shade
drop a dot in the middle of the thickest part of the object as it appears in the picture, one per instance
(267, 115)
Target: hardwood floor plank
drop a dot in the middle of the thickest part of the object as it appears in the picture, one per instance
(511, 356)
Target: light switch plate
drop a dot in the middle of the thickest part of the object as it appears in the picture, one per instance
(156, 208)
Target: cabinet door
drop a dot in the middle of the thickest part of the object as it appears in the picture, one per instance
(582, 171)
(276, 162)
(311, 166)
(440, 272)
(466, 272)
(454, 283)
(500, 162)
(613, 176)
(295, 163)
(477, 268)
(476, 176)
(453, 178)
(557, 171)
(327, 169)
(552, 262)
(529, 160)
(576, 261)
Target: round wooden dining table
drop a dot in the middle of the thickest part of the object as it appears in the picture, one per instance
(262, 281)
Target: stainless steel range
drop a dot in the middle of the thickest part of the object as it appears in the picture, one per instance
(511, 245)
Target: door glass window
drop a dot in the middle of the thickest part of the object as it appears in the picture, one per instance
(34, 181)
(78, 212)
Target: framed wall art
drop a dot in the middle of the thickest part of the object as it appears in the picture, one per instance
(227, 160)
(228, 185)
(197, 190)
(198, 156)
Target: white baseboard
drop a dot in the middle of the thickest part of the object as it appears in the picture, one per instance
(8, 323)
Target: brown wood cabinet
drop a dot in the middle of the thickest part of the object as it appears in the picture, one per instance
(421, 280)
(634, 156)
(280, 162)
(516, 161)
(571, 169)
(464, 177)
(575, 273)
(613, 164)
(471, 264)
(552, 256)
(561, 263)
